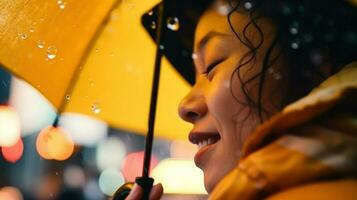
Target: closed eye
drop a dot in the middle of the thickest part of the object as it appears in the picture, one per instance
(212, 66)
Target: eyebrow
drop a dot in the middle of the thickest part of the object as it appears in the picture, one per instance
(202, 43)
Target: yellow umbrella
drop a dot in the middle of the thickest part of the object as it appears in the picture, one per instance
(87, 61)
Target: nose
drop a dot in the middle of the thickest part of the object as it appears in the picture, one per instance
(192, 107)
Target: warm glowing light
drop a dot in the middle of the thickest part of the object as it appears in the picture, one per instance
(11, 193)
(30, 104)
(133, 165)
(110, 180)
(84, 130)
(183, 150)
(54, 143)
(6, 196)
(179, 177)
(9, 126)
(13, 153)
(110, 153)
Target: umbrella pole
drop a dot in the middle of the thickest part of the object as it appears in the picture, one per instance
(145, 181)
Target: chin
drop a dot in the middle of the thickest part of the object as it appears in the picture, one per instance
(210, 183)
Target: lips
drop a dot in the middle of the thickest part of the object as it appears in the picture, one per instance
(205, 142)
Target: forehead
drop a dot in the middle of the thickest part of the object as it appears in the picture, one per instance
(214, 20)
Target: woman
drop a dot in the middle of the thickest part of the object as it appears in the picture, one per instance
(259, 131)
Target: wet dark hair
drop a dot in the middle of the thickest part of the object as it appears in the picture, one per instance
(310, 34)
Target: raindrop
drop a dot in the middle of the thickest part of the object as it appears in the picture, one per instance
(161, 47)
(222, 8)
(194, 56)
(248, 5)
(31, 30)
(111, 54)
(68, 97)
(96, 50)
(153, 25)
(23, 36)
(59, 2)
(91, 83)
(286, 10)
(277, 76)
(62, 6)
(150, 12)
(270, 70)
(57, 173)
(294, 45)
(173, 23)
(294, 30)
(40, 44)
(51, 52)
(95, 108)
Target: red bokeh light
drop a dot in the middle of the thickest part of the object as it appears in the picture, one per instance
(133, 165)
(13, 153)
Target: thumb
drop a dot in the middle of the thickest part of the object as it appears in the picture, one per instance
(156, 192)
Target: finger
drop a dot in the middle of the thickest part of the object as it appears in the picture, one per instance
(135, 193)
(156, 192)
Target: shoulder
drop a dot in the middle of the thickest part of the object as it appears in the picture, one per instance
(345, 189)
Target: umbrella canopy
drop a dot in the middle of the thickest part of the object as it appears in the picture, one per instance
(87, 61)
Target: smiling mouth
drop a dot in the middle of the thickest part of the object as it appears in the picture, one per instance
(203, 139)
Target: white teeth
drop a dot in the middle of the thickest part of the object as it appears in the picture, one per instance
(205, 142)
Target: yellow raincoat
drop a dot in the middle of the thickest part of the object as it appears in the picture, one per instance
(307, 151)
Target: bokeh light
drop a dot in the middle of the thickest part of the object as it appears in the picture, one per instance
(30, 104)
(133, 165)
(110, 180)
(9, 126)
(13, 153)
(92, 191)
(110, 153)
(12, 193)
(179, 176)
(84, 130)
(74, 176)
(54, 143)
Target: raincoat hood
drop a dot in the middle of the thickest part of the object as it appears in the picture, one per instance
(311, 140)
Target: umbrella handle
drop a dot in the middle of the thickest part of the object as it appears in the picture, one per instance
(145, 182)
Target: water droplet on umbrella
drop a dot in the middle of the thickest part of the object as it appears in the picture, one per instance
(51, 52)
(173, 23)
(31, 30)
(161, 47)
(91, 83)
(40, 44)
(96, 50)
(23, 36)
(68, 97)
(153, 25)
(95, 108)
(61, 4)
(248, 5)
(150, 12)
(194, 56)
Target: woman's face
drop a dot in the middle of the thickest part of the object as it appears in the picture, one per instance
(215, 105)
